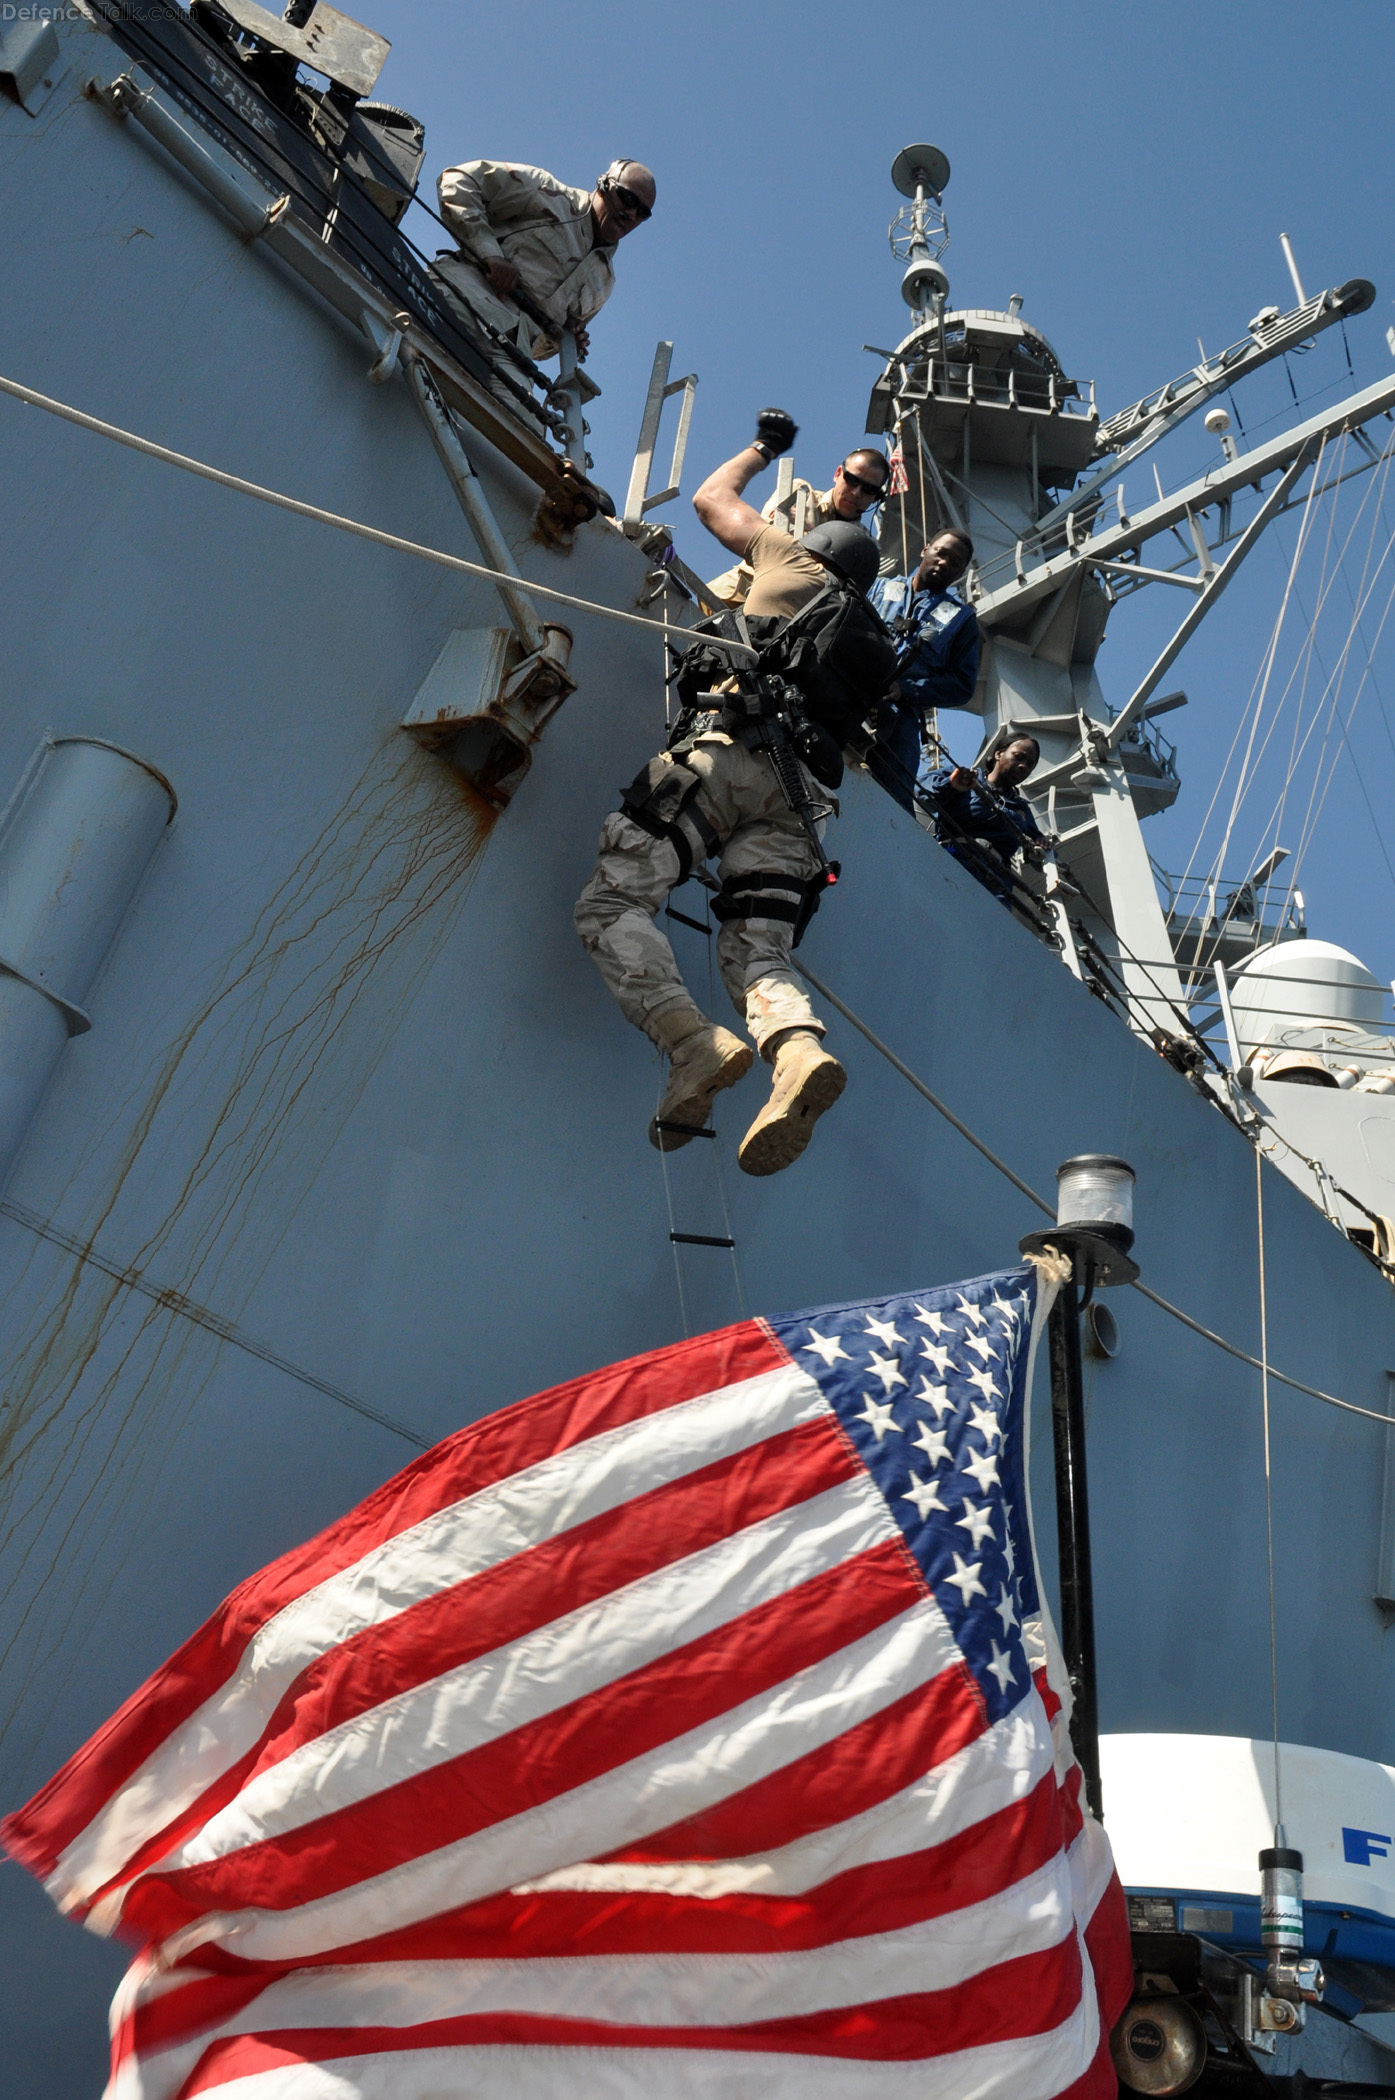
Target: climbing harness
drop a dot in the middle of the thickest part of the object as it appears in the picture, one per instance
(768, 893)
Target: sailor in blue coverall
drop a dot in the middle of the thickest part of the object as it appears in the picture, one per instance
(980, 806)
(937, 646)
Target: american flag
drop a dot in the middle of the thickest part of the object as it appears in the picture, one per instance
(900, 481)
(687, 1729)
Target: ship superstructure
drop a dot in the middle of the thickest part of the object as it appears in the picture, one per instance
(340, 1142)
(997, 439)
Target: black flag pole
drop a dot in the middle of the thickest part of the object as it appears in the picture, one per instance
(1094, 1232)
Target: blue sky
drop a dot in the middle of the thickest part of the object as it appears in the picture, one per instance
(1126, 168)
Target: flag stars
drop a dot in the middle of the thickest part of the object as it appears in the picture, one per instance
(926, 1496)
(985, 1422)
(828, 1347)
(937, 1397)
(931, 1391)
(1000, 1667)
(978, 1522)
(984, 1467)
(965, 1579)
(887, 1369)
(935, 1444)
(878, 1417)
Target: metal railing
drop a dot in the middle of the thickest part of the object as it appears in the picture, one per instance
(1007, 386)
(280, 152)
(988, 866)
(1145, 736)
(1228, 917)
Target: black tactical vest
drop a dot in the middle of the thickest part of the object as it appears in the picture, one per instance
(836, 650)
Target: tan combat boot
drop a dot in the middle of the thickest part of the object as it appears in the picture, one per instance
(704, 1059)
(807, 1081)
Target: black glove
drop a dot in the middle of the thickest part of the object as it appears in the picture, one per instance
(775, 430)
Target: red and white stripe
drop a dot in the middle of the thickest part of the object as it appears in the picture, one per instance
(615, 1746)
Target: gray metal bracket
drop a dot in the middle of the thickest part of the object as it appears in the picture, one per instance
(31, 61)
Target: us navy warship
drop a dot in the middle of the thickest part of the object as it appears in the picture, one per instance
(322, 1137)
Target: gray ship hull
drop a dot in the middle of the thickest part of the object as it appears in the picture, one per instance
(356, 1121)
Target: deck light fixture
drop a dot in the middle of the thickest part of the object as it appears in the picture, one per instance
(1094, 1220)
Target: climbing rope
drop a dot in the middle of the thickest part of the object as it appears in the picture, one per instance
(315, 511)
(319, 515)
(1268, 1481)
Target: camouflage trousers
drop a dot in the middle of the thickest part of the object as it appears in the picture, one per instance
(757, 834)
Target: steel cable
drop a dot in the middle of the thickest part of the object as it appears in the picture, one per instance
(1268, 1486)
(242, 487)
(1164, 1305)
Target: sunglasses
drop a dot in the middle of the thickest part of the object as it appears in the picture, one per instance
(868, 488)
(628, 201)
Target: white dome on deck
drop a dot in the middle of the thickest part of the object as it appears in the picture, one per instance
(1303, 986)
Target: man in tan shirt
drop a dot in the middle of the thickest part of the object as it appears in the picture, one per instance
(714, 793)
(859, 484)
(521, 230)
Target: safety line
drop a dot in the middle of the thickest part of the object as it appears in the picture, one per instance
(717, 1152)
(1268, 1488)
(242, 487)
(921, 1088)
(31, 398)
(1208, 1334)
(188, 1309)
(668, 1201)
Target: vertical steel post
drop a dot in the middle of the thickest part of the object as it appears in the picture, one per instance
(1073, 1536)
(567, 396)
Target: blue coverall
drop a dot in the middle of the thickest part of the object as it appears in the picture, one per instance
(937, 651)
(979, 815)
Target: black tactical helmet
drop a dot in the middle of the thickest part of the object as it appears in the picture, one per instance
(846, 548)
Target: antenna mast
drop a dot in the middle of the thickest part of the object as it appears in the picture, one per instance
(919, 234)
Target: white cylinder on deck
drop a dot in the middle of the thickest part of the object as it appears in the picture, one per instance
(74, 845)
(1302, 986)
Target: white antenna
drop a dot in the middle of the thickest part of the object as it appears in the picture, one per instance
(1287, 246)
(920, 234)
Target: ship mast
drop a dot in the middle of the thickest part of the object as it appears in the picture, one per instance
(999, 441)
